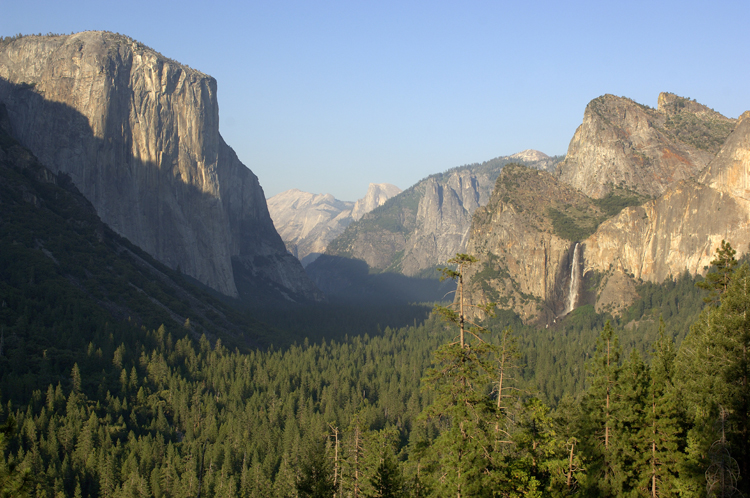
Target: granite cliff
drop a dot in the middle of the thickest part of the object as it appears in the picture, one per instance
(138, 134)
(546, 248)
(58, 259)
(680, 230)
(522, 240)
(623, 143)
(308, 222)
(418, 229)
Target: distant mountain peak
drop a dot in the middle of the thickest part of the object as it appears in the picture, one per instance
(308, 222)
(377, 194)
(530, 155)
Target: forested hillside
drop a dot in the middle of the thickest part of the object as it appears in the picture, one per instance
(120, 377)
(156, 412)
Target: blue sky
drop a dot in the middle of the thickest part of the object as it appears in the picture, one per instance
(330, 96)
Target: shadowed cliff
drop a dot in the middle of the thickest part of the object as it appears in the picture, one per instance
(138, 135)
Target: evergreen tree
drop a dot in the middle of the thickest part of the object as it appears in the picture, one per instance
(316, 474)
(15, 478)
(714, 370)
(664, 430)
(718, 278)
(598, 422)
(462, 456)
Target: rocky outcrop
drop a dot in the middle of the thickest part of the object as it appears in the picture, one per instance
(139, 136)
(728, 172)
(441, 227)
(540, 160)
(536, 232)
(524, 261)
(423, 226)
(309, 222)
(680, 230)
(623, 143)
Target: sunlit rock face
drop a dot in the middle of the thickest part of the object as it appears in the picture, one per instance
(681, 230)
(623, 143)
(138, 133)
(524, 265)
(528, 263)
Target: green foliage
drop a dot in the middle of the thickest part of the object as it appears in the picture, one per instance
(719, 277)
(617, 199)
(702, 133)
(714, 371)
(570, 227)
(575, 225)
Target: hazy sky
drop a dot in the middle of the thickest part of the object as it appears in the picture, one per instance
(330, 96)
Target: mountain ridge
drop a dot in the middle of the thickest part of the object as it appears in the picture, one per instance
(414, 231)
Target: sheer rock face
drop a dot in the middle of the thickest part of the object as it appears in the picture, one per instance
(308, 222)
(681, 230)
(139, 135)
(524, 265)
(425, 225)
(443, 219)
(665, 237)
(624, 143)
(728, 172)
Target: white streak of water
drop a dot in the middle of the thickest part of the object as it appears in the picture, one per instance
(575, 277)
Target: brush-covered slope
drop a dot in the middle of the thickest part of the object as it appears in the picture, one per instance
(138, 134)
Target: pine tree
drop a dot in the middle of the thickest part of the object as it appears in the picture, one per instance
(598, 423)
(714, 372)
(664, 431)
(630, 437)
(717, 281)
(463, 455)
(316, 474)
(15, 478)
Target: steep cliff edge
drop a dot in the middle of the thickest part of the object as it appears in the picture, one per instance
(139, 136)
(544, 251)
(426, 224)
(623, 143)
(680, 230)
(522, 240)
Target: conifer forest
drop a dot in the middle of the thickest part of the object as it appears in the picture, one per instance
(442, 407)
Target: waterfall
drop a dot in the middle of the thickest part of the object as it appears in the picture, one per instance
(575, 277)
